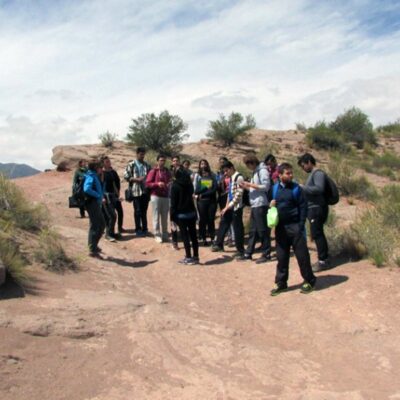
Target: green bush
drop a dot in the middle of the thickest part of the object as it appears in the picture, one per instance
(51, 253)
(388, 206)
(230, 130)
(161, 133)
(387, 160)
(321, 136)
(390, 130)
(355, 127)
(107, 139)
(12, 259)
(16, 209)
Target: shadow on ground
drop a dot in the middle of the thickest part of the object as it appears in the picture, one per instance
(130, 264)
(324, 282)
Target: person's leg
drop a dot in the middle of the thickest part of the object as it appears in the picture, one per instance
(144, 205)
(239, 230)
(263, 232)
(164, 217)
(82, 211)
(193, 237)
(212, 210)
(202, 207)
(155, 206)
(111, 217)
(120, 215)
(317, 217)
(224, 226)
(96, 224)
(283, 255)
(302, 254)
(137, 213)
(252, 234)
(183, 227)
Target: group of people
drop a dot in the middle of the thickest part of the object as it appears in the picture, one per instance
(188, 201)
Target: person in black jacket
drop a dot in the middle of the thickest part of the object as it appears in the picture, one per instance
(290, 232)
(183, 213)
(206, 193)
(112, 187)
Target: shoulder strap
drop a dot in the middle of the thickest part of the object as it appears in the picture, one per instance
(275, 190)
(296, 192)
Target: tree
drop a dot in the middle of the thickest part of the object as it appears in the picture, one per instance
(229, 130)
(107, 139)
(355, 126)
(162, 133)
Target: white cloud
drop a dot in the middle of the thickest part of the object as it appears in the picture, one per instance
(282, 61)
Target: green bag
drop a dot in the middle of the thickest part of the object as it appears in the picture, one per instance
(272, 217)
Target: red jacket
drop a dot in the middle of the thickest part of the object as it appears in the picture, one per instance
(154, 177)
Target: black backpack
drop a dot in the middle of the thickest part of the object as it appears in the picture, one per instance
(78, 197)
(331, 193)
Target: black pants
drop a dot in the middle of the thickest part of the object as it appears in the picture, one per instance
(259, 231)
(187, 228)
(110, 215)
(235, 217)
(288, 236)
(96, 224)
(207, 210)
(82, 211)
(140, 206)
(222, 199)
(120, 215)
(317, 217)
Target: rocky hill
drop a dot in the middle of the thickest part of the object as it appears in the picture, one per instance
(12, 170)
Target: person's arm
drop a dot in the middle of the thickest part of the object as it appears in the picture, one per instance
(317, 184)
(128, 172)
(302, 205)
(150, 179)
(237, 196)
(88, 187)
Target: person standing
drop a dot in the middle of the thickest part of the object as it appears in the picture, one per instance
(157, 181)
(318, 208)
(258, 189)
(289, 199)
(206, 194)
(93, 190)
(183, 213)
(232, 213)
(76, 181)
(272, 166)
(112, 187)
(175, 164)
(136, 173)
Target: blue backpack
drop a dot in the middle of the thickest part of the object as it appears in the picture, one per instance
(295, 191)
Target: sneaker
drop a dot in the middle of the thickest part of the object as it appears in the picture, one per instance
(110, 238)
(192, 261)
(264, 258)
(231, 244)
(216, 249)
(278, 289)
(247, 257)
(186, 261)
(140, 234)
(196, 260)
(205, 243)
(118, 236)
(95, 254)
(175, 246)
(306, 288)
(158, 239)
(97, 250)
(239, 256)
(320, 266)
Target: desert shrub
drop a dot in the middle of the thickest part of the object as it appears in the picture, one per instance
(229, 130)
(387, 160)
(301, 127)
(322, 136)
(355, 127)
(107, 139)
(12, 259)
(51, 253)
(15, 208)
(342, 172)
(161, 133)
(388, 206)
(268, 148)
(390, 130)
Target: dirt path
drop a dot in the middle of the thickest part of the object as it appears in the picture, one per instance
(138, 325)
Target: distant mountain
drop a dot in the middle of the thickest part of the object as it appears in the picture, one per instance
(12, 170)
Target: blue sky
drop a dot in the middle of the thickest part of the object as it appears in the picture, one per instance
(71, 70)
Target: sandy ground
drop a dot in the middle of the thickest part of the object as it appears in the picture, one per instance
(138, 325)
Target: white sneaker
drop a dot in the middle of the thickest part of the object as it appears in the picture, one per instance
(158, 239)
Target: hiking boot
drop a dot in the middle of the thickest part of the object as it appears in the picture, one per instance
(306, 288)
(216, 249)
(278, 289)
(97, 250)
(320, 266)
(110, 238)
(264, 258)
(95, 254)
(118, 236)
(247, 257)
(239, 256)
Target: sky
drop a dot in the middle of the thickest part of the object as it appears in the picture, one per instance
(71, 70)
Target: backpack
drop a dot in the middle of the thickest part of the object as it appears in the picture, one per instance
(331, 192)
(295, 191)
(78, 197)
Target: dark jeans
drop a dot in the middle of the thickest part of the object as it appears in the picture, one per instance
(222, 199)
(207, 210)
(235, 217)
(259, 231)
(96, 224)
(120, 214)
(110, 215)
(317, 217)
(288, 236)
(140, 206)
(187, 228)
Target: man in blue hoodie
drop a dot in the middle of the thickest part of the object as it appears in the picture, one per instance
(288, 197)
(93, 189)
